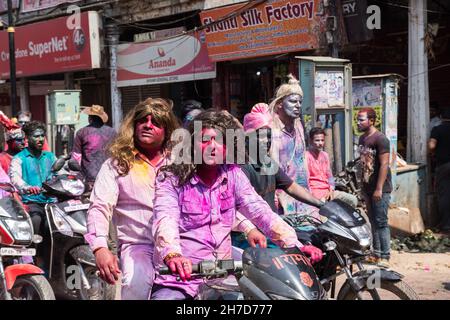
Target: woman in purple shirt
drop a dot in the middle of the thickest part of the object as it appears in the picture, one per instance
(195, 208)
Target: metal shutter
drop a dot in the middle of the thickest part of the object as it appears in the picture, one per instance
(131, 96)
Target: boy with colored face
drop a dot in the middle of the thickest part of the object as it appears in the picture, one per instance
(320, 179)
(374, 150)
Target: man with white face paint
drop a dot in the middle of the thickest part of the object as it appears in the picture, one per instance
(288, 147)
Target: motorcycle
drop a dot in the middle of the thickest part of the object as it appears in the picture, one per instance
(19, 280)
(348, 181)
(345, 238)
(72, 270)
(263, 274)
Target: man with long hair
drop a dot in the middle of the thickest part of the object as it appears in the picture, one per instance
(195, 208)
(124, 192)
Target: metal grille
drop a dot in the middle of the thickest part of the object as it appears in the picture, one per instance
(131, 96)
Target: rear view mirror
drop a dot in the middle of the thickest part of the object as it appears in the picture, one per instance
(74, 165)
(59, 163)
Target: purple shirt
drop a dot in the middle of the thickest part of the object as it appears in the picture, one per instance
(195, 220)
(90, 143)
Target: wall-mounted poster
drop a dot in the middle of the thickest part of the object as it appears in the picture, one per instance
(367, 93)
(329, 89)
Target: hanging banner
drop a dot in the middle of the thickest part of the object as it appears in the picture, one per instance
(33, 5)
(51, 47)
(272, 27)
(183, 58)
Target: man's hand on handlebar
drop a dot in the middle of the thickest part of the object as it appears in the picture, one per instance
(180, 265)
(33, 190)
(313, 252)
(255, 237)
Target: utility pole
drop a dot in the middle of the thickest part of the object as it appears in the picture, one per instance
(12, 60)
(418, 93)
(112, 35)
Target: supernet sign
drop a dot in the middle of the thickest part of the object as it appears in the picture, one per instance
(53, 47)
(273, 27)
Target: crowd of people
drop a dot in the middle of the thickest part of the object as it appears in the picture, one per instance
(161, 212)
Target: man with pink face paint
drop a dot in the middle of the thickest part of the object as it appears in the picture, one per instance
(195, 209)
(123, 192)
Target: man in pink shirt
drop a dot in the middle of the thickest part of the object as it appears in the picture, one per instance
(320, 177)
(195, 209)
(124, 192)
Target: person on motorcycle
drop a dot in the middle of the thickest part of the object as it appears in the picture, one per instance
(257, 126)
(288, 145)
(123, 192)
(29, 169)
(320, 177)
(195, 208)
(15, 141)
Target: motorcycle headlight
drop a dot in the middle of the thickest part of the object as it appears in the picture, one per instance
(364, 235)
(21, 230)
(75, 187)
(60, 222)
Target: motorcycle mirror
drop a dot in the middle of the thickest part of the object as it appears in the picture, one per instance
(37, 239)
(74, 165)
(330, 245)
(59, 163)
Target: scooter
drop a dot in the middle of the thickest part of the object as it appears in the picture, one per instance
(345, 238)
(72, 270)
(263, 274)
(19, 280)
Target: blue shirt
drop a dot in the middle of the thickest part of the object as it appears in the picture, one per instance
(28, 171)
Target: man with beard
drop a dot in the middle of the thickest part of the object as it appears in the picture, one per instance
(29, 169)
(374, 150)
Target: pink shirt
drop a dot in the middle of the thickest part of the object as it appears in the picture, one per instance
(320, 176)
(128, 200)
(195, 220)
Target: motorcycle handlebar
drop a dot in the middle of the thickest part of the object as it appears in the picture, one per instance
(208, 267)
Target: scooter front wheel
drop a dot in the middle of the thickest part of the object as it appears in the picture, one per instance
(32, 287)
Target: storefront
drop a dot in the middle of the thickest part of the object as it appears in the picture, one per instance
(255, 44)
(170, 68)
(46, 51)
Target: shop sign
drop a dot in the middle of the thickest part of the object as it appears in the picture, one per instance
(270, 28)
(53, 46)
(183, 58)
(33, 5)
